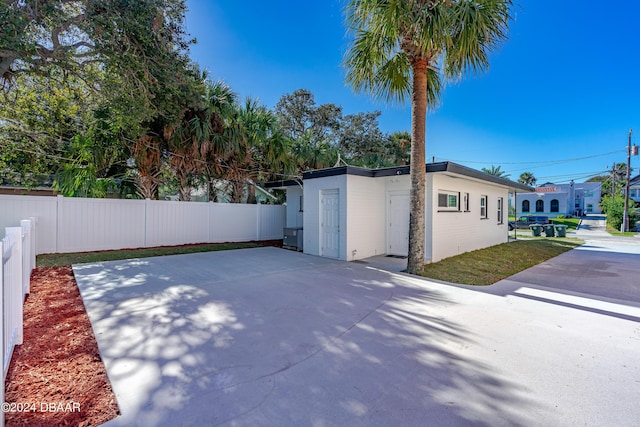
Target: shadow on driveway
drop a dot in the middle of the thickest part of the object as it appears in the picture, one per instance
(273, 337)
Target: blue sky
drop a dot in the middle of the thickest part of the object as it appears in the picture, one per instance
(564, 86)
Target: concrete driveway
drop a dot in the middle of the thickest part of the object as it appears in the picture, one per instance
(268, 337)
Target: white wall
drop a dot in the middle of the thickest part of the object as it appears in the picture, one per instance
(366, 217)
(79, 224)
(564, 204)
(294, 213)
(594, 200)
(458, 232)
(312, 189)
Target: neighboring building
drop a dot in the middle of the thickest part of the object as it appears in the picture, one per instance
(573, 199)
(351, 213)
(634, 189)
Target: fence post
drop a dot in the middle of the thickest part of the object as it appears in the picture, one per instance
(209, 222)
(16, 298)
(25, 255)
(146, 221)
(258, 222)
(34, 241)
(59, 231)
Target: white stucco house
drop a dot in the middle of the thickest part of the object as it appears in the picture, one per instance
(573, 199)
(351, 213)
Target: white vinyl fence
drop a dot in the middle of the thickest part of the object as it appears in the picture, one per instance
(17, 250)
(78, 224)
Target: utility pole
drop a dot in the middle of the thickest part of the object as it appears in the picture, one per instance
(613, 179)
(625, 217)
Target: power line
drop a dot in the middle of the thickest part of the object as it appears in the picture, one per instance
(535, 162)
(577, 174)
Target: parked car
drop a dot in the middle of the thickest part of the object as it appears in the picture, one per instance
(527, 220)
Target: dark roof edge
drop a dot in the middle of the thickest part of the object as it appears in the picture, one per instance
(474, 173)
(282, 183)
(338, 170)
(404, 170)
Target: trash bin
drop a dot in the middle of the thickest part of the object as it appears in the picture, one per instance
(548, 230)
(536, 229)
(561, 230)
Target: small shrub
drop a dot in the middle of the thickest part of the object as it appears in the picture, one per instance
(613, 206)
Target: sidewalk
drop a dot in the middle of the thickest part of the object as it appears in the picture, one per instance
(592, 226)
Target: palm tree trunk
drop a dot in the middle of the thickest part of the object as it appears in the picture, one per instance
(251, 198)
(418, 173)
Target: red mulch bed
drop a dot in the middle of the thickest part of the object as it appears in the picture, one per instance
(59, 361)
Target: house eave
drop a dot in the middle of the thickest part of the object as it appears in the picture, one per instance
(446, 167)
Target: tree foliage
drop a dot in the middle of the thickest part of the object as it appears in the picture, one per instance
(495, 171)
(527, 178)
(613, 207)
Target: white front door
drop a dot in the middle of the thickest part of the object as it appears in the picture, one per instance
(398, 227)
(330, 223)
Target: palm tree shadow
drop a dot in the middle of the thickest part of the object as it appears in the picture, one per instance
(364, 348)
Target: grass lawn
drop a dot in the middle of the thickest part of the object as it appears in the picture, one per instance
(50, 260)
(571, 223)
(489, 265)
(615, 232)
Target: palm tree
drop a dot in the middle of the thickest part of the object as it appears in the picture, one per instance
(527, 178)
(399, 147)
(405, 48)
(221, 104)
(256, 150)
(311, 154)
(495, 171)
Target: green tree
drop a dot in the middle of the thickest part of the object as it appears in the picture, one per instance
(80, 177)
(37, 120)
(41, 120)
(399, 147)
(360, 140)
(613, 207)
(495, 171)
(615, 181)
(527, 178)
(311, 130)
(141, 45)
(300, 118)
(403, 49)
(311, 154)
(129, 56)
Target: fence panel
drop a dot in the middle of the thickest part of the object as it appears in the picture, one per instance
(79, 224)
(12, 292)
(232, 222)
(272, 221)
(176, 223)
(13, 209)
(100, 224)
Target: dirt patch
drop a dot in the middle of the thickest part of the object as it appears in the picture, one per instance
(57, 375)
